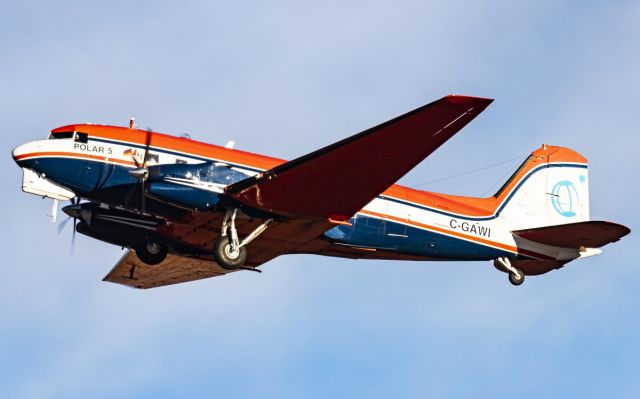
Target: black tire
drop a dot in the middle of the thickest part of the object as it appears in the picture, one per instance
(224, 257)
(516, 281)
(152, 252)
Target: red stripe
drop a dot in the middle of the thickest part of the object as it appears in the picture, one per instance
(47, 154)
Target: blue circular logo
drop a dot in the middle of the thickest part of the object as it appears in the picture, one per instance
(564, 198)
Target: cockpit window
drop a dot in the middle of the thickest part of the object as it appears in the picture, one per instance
(81, 137)
(61, 135)
(76, 136)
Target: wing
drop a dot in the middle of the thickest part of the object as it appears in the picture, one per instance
(591, 234)
(282, 237)
(132, 272)
(337, 181)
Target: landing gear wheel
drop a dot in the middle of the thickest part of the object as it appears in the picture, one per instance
(152, 252)
(515, 280)
(226, 258)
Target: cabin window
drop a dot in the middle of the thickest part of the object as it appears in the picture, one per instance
(180, 161)
(153, 159)
(81, 137)
(61, 135)
(372, 225)
(226, 175)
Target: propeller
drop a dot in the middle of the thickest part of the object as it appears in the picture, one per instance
(141, 172)
(74, 211)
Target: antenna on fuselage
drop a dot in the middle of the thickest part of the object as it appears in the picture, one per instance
(132, 122)
(230, 144)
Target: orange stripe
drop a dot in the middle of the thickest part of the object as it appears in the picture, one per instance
(469, 206)
(482, 207)
(179, 144)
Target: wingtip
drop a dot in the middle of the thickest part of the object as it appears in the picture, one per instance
(459, 98)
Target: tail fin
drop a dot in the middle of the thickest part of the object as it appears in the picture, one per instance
(550, 188)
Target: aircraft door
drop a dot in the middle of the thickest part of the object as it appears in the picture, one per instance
(397, 213)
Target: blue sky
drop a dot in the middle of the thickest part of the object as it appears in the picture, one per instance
(284, 78)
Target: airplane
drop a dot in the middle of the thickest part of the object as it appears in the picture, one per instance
(187, 210)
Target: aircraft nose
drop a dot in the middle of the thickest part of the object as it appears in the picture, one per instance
(19, 152)
(16, 153)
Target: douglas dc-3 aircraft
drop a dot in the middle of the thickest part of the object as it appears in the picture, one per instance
(188, 210)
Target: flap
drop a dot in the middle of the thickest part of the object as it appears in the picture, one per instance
(340, 179)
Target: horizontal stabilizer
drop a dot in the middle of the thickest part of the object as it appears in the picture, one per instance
(338, 180)
(591, 234)
(537, 267)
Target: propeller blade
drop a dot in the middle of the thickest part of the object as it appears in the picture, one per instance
(143, 201)
(74, 211)
(141, 172)
(73, 237)
(63, 224)
(85, 215)
(143, 204)
(147, 144)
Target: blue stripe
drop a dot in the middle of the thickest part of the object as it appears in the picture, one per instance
(373, 232)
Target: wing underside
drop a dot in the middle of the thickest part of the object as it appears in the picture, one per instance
(132, 272)
(591, 234)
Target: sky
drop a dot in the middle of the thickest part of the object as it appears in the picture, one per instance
(284, 78)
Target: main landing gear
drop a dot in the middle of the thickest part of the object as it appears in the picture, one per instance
(516, 276)
(229, 251)
(152, 252)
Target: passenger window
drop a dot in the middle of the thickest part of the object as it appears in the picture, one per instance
(153, 158)
(372, 225)
(226, 175)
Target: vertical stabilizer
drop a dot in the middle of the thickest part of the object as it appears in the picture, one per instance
(550, 188)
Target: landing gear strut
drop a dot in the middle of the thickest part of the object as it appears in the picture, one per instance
(152, 252)
(516, 276)
(229, 251)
